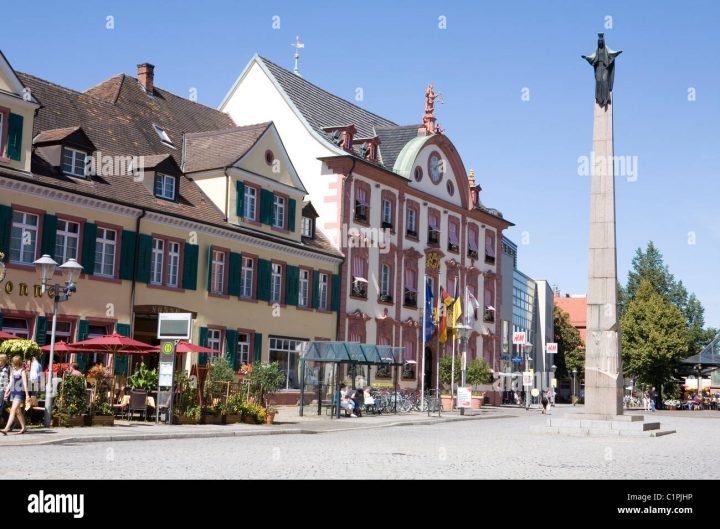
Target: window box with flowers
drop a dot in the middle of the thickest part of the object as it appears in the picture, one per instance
(453, 247)
(433, 236)
(359, 289)
(472, 254)
(385, 298)
(410, 299)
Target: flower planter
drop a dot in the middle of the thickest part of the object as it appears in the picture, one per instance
(270, 417)
(103, 420)
(211, 419)
(477, 402)
(248, 419)
(447, 401)
(76, 420)
(182, 419)
(233, 418)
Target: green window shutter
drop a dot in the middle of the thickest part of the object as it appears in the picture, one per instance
(88, 248)
(266, 206)
(335, 306)
(209, 268)
(82, 334)
(120, 362)
(263, 281)
(235, 269)
(14, 137)
(316, 289)
(190, 266)
(292, 280)
(127, 254)
(257, 348)
(144, 258)
(202, 357)
(40, 330)
(240, 197)
(291, 215)
(5, 227)
(49, 234)
(231, 344)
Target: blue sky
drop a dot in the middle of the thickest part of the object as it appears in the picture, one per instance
(525, 153)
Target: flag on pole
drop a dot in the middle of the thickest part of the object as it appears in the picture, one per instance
(429, 320)
(443, 303)
(474, 303)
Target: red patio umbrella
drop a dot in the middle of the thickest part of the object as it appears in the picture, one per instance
(60, 347)
(8, 336)
(112, 343)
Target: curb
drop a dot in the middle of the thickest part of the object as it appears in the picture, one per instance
(225, 434)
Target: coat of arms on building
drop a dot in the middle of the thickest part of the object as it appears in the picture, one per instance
(432, 261)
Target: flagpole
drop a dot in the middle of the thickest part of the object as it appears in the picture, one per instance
(422, 329)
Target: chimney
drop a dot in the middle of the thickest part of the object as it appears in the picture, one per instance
(146, 75)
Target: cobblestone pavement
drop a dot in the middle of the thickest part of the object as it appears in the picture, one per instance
(476, 448)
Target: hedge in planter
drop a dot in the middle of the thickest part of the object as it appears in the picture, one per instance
(72, 401)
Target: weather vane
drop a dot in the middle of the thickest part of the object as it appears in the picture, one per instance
(297, 45)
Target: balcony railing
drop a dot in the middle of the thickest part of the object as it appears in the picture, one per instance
(473, 254)
(411, 233)
(453, 247)
(433, 236)
(387, 225)
(385, 298)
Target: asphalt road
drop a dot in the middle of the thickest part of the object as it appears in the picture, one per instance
(488, 448)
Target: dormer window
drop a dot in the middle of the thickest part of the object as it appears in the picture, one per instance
(308, 227)
(165, 186)
(73, 162)
(163, 136)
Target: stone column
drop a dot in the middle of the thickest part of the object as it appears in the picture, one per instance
(603, 363)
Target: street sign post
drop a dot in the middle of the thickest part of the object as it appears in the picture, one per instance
(172, 327)
(464, 397)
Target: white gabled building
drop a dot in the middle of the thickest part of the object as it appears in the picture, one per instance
(396, 200)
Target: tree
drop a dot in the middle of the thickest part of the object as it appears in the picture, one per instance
(571, 352)
(649, 265)
(654, 336)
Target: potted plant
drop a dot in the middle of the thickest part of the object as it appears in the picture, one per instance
(265, 380)
(71, 407)
(235, 408)
(478, 372)
(144, 378)
(445, 372)
(186, 410)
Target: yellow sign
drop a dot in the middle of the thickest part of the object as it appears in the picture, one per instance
(554, 382)
(168, 348)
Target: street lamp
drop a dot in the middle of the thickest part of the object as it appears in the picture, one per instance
(45, 266)
(527, 349)
(574, 372)
(463, 332)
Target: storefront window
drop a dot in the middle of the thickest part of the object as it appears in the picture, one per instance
(284, 351)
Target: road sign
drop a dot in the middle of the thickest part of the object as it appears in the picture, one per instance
(527, 378)
(174, 326)
(551, 348)
(519, 338)
(517, 359)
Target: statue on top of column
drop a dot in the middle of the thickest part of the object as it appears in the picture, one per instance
(603, 61)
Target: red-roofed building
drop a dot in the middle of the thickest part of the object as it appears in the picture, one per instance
(576, 307)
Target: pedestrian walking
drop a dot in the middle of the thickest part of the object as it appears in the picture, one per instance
(545, 400)
(4, 382)
(653, 397)
(17, 392)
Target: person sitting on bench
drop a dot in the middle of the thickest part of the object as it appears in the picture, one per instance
(346, 403)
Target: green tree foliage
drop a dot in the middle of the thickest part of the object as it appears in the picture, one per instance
(654, 336)
(649, 265)
(478, 372)
(571, 350)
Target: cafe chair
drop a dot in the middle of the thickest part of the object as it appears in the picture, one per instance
(138, 403)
